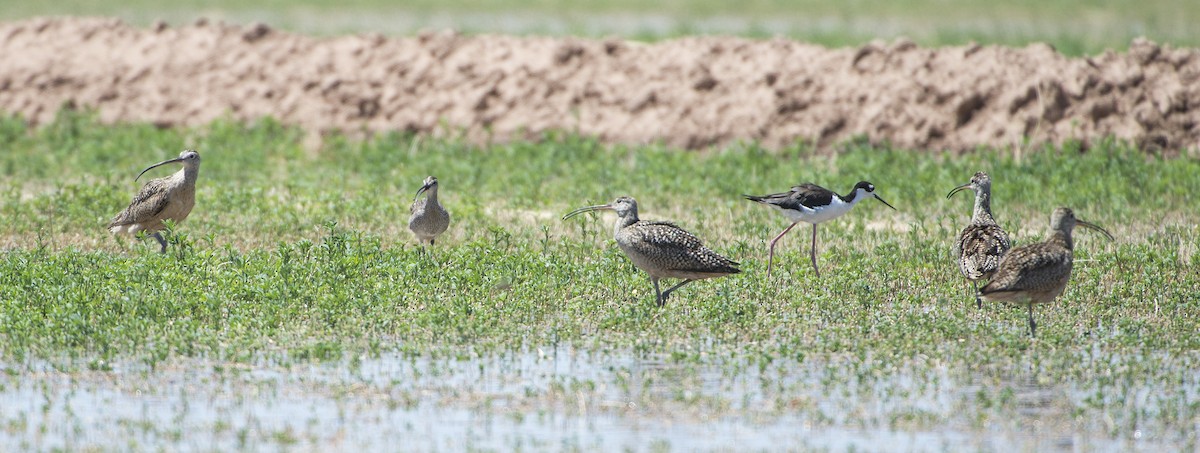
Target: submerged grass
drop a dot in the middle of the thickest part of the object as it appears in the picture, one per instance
(295, 255)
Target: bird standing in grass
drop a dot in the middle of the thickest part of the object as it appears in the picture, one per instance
(662, 249)
(428, 218)
(161, 199)
(1037, 273)
(980, 245)
(813, 204)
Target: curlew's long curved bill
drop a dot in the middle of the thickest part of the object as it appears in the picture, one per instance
(422, 190)
(168, 161)
(877, 197)
(957, 190)
(584, 209)
(1095, 227)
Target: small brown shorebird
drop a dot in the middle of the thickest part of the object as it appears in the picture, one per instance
(167, 198)
(813, 204)
(980, 245)
(662, 249)
(428, 218)
(1037, 273)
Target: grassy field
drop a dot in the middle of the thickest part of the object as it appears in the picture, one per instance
(298, 257)
(1074, 27)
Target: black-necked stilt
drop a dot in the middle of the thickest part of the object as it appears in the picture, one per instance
(662, 249)
(427, 218)
(813, 204)
(980, 245)
(1037, 273)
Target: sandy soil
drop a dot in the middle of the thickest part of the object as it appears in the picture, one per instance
(690, 92)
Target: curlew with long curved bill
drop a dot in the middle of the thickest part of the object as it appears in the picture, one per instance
(662, 249)
(167, 198)
(980, 245)
(1038, 273)
(427, 218)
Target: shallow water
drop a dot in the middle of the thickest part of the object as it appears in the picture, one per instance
(542, 399)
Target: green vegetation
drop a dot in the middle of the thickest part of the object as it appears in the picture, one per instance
(1074, 27)
(296, 255)
(288, 244)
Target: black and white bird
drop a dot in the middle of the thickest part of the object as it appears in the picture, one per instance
(813, 204)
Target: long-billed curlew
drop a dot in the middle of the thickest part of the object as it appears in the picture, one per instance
(980, 245)
(1037, 273)
(813, 204)
(167, 198)
(662, 249)
(428, 218)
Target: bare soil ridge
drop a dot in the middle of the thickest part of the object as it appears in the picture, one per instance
(690, 92)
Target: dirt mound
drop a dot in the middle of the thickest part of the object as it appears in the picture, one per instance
(690, 92)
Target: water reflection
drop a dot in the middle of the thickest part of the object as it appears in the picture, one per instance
(540, 399)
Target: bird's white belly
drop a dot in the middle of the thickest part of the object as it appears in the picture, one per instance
(819, 214)
(132, 228)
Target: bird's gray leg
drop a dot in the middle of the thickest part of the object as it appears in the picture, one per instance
(161, 241)
(978, 301)
(673, 288)
(428, 253)
(771, 248)
(813, 255)
(1032, 325)
(658, 296)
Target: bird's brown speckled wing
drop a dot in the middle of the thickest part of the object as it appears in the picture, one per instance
(149, 202)
(979, 248)
(1032, 267)
(678, 250)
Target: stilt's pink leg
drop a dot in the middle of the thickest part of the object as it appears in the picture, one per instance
(771, 249)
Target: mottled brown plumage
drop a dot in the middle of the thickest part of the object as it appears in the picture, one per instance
(428, 218)
(980, 245)
(662, 249)
(1037, 273)
(168, 198)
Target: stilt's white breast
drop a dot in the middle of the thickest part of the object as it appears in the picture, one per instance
(836, 208)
